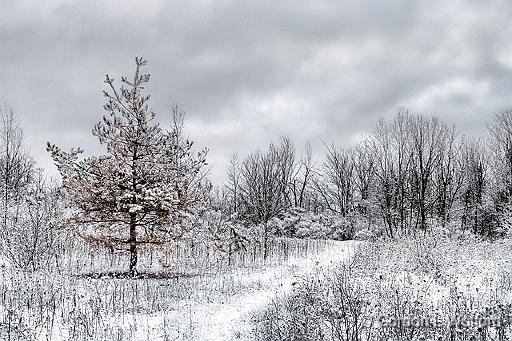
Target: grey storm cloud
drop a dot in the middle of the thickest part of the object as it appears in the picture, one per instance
(248, 72)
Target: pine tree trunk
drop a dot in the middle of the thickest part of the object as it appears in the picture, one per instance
(133, 245)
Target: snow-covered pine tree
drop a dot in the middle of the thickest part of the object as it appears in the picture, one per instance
(130, 195)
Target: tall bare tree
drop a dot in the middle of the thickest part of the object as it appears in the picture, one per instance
(476, 182)
(364, 170)
(449, 176)
(302, 178)
(429, 137)
(416, 174)
(501, 147)
(391, 149)
(16, 167)
(234, 183)
(337, 188)
(265, 179)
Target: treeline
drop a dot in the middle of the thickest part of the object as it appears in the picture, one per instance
(412, 174)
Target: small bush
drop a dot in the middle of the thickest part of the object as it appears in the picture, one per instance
(30, 238)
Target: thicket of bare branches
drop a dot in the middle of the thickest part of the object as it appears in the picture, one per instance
(265, 183)
(30, 205)
(410, 175)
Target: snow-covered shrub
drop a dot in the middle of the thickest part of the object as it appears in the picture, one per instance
(227, 235)
(503, 228)
(312, 228)
(328, 306)
(286, 223)
(30, 241)
(369, 232)
(296, 317)
(344, 228)
(299, 223)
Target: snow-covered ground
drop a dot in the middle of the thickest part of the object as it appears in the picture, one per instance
(231, 320)
(228, 317)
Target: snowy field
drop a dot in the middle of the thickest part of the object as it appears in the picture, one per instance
(203, 305)
(229, 318)
(427, 288)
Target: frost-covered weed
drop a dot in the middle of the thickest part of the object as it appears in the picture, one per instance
(419, 289)
(82, 296)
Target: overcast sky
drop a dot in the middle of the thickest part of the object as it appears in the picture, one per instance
(248, 72)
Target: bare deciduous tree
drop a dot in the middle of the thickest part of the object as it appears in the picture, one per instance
(16, 167)
(364, 171)
(265, 179)
(449, 176)
(337, 188)
(501, 147)
(475, 175)
(302, 178)
(389, 145)
(234, 183)
(429, 137)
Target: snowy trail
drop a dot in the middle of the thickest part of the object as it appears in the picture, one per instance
(230, 320)
(221, 306)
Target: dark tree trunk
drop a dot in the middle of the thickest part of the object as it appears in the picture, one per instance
(265, 241)
(133, 245)
(230, 249)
